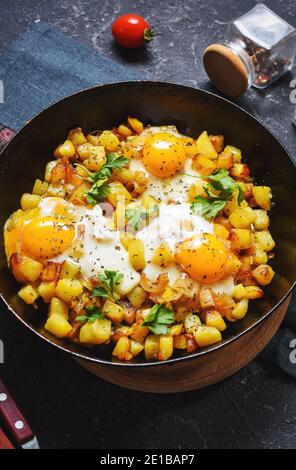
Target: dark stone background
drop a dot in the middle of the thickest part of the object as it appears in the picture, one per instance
(68, 407)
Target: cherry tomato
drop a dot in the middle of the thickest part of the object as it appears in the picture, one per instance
(131, 31)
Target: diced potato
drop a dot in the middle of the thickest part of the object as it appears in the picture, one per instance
(261, 221)
(206, 298)
(240, 239)
(240, 310)
(162, 255)
(29, 201)
(196, 189)
(176, 329)
(242, 217)
(122, 349)
(67, 149)
(225, 161)
(109, 141)
(190, 147)
(118, 193)
(220, 231)
(80, 192)
(93, 138)
(264, 240)
(135, 124)
(191, 322)
(262, 196)
(138, 332)
(137, 254)
(206, 335)
(96, 332)
(113, 311)
(48, 169)
(205, 166)
(168, 295)
(151, 347)
(131, 149)
(40, 188)
(235, 152)
(69, 270)
(214, 318)
(136, 348)
(47, 290)
(239, 292)
(58, 326)
(25, 269)
(263, 274)
(180, 313)
(180, 342)
(56, 190)
(28, 294)
(84, 150)
(232, 204)
(124, 130)
(58, 307)
(68, 289)
(232, 265)
(126, 238)
(96, 159)
(137, 297)
(77, 137)
(217, 142)
(240, 171)
(119, 218)
(260, 256)
(253, 292)
(51, 271)
(166, 347)
(58, 172)
(205, 146)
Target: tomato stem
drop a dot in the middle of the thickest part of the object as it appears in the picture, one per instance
(149, 34)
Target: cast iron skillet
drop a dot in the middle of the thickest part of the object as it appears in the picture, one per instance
(192, 111)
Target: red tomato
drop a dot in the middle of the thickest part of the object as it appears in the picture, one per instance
(131, 31)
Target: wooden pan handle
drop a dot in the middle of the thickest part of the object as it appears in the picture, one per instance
(13, 418)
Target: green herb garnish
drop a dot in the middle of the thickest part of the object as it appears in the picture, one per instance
(138, 214)
(100, 189)
(109, 280)
(212, 204)
(159, 317)
(93, 315)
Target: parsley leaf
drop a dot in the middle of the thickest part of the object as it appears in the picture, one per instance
(100, 189)
(109, 280)
(158, 318)
(220, 182)
(138, 214)
(93, 315)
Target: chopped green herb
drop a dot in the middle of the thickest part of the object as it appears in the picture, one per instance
(109, 280)
(159, 317)
(93, 315)
(138, 214)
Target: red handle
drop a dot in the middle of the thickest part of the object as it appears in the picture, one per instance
(4, 441)
(13, 418)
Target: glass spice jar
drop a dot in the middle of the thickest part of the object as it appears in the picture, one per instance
(259, 45)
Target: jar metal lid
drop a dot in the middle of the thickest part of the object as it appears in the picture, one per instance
(226, 70)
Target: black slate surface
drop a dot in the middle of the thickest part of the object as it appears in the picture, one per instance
(68, 407)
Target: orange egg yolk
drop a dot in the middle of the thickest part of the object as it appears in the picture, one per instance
(163, 154)
(204, 258)
(46, 237)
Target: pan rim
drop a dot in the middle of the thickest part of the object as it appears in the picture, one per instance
(198, 353)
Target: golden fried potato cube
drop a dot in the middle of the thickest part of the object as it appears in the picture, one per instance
(124, 130)
(58, 307)
(25, 269)
(96, 332)
(232, 265)
(191, 322)
(220, 231)
(176, 329)
(262, 196)
(166, 347)
(234, 151)
(264, 240)
(261, 221)
(29, 201)
(240, 239)
(58, 326)
(68, 289)
(126, 238)
(232, 204)
(137, 297)
(136, 348)
(206, 335)
(47, 290)
(77, 137)
(240, 309)
(190, 147)
(40, 187)
(109, 141)
(135, 124)
(263, 274)
(56, 190)
(205, 146)
(96, 159)
(162, 255)
(259, 256)
(138, 332)
(122, 349)
(151, 347)
(80, 191)
(69, 270)
(217, 142)
(253, 292)
(113, 311)
(239, 292)
(137, 254)
(214, 318)
(28, 294)
(204, 165)
(67, 149)
(180, 342)
(118, 193)
(242, 217)
(225, 161)
(240, 171)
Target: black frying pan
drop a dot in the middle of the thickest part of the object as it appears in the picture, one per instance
(192, 111)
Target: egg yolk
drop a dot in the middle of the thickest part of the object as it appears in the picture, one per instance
(46, 237)
(204, 258)
(163, 154)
